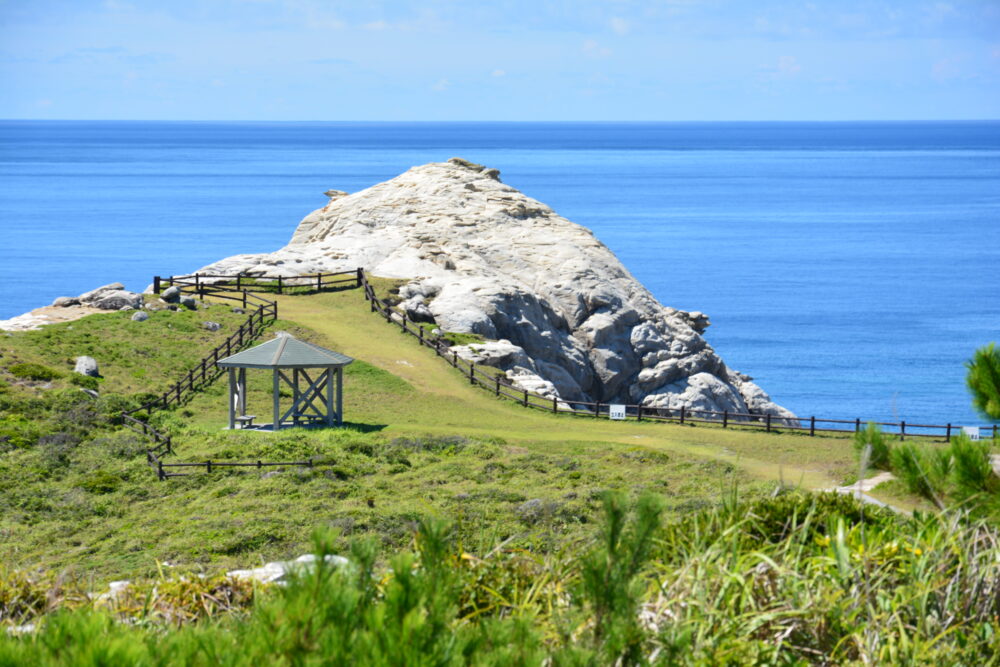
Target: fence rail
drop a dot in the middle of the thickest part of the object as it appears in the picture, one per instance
(238, 288)
(502, 387)
(232, 288)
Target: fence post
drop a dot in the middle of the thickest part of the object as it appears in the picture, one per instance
(244, 300)
(902, 430)
(319, 282)
(197, 283)
(259, 466)
(360, 275)
(947, 433)
(472, 373)
(156, 284)
(239, 281)
(402, 322)
(279, 284)
(171, 281)
(555, 404)
(725, 418)
(420, 333)
(597, 410)
(769, 422)
(812, 426)
(525, 398)
(857, 424)
(497, 385)
(454, 359)
(638, 413)
(683, 410)
(159, 470)
(208, 466)
(170, 445)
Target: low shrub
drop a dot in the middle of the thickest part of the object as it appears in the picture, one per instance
(921, 470)
(872, 440)
(32, 371)
(84, 381)
(973, 471)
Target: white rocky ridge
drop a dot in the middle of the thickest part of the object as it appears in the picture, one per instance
(567, 318)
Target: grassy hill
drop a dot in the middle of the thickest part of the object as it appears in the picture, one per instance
(419, 441)
(479, 532)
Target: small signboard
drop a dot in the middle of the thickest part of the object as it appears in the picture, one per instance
(971, 431)
(616, 411)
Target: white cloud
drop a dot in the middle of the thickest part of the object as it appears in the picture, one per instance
(952, 67)
(619, 25)
(788, 66)
(441, 85)
(592, 48)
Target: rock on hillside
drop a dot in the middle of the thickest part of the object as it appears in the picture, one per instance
(481, 257)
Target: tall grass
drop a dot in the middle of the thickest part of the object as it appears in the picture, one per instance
(789, 580)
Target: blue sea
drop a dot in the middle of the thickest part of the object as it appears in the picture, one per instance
(851, 268)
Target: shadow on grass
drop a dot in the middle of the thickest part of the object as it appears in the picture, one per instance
(364, 428)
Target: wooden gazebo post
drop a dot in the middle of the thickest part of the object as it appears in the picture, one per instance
(319, 402)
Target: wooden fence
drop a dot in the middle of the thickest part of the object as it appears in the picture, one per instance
(237, 288)
(231, 288)
(501, 386)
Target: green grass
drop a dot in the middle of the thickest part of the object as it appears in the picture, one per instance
(791, 580)
(77, 493)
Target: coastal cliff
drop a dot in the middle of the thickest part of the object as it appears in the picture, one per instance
(562, 315)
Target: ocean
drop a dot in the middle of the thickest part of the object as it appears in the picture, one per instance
(851, 268)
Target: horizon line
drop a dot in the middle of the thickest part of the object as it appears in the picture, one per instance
(357, 121)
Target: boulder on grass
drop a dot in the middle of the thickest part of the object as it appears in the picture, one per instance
(118, 299)
(171, 294)
(87, 366)
(140, 316)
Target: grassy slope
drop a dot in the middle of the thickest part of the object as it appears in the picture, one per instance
(420, 441)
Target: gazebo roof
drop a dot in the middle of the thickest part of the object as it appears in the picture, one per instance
(285, 351)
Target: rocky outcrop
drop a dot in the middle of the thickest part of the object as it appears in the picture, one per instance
(481, 257)
(106, 297)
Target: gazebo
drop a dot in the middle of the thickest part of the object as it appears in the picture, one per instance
(321, 401)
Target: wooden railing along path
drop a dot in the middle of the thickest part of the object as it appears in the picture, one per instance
(502, 387)
(206, 371)
(237, 288)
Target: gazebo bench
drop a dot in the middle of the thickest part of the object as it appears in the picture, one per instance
(245, 421)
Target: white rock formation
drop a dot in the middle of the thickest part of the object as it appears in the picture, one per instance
(278, 572)
(483, 258)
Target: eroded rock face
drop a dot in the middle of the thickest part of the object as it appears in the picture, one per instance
(483, 258)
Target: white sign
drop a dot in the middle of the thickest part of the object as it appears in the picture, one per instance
(616, 411)
(971, 431)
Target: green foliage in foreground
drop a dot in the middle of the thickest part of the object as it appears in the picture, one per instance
(983, 381)
(793, 580)
(958, 473)
(872, 447)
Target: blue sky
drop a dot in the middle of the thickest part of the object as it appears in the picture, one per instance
(499, 60)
